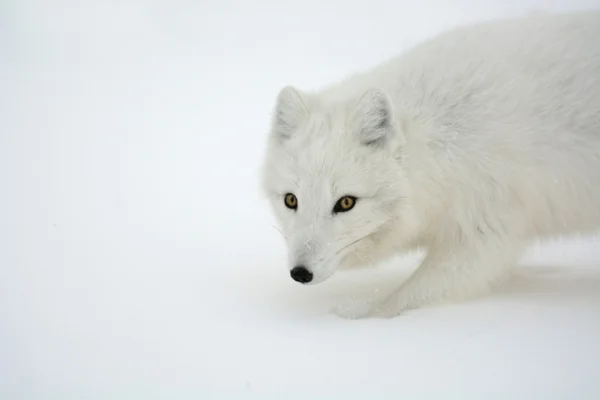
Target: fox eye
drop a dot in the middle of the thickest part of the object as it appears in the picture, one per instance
(291, 201)
(344, 204)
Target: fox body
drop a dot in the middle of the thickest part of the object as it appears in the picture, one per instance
(470, 146)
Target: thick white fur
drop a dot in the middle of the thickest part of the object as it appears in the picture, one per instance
(469, 146)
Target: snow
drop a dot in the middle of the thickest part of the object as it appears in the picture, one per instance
(137, 257)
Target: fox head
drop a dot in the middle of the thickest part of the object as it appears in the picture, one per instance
(334, 177)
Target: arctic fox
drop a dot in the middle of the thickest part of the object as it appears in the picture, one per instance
(469, 146)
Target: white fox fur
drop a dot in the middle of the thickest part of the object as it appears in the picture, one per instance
(469, 146)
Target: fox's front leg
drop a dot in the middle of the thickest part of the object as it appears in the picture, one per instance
(453, 272)
(450, 272)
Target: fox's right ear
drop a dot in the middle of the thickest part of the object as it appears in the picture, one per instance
(290, 111)
(374, 118)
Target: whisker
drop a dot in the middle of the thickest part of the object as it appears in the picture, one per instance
(351, 244)
(278, 230)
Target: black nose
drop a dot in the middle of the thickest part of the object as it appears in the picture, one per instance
(301, 274)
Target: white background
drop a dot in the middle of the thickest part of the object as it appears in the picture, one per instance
(137, 257)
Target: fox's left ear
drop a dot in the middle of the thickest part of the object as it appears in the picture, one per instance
(373, 118)
(290, 112)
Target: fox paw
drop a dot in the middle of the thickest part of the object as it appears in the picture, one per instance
(386, 310)
(354, 309)
(361, 309)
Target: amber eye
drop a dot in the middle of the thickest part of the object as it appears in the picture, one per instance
(344, 204)
(291, 201)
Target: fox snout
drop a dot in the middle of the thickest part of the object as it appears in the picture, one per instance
(311, 261)
(301, 274)
(303, 263)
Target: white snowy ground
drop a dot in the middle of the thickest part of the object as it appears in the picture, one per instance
(137, 260)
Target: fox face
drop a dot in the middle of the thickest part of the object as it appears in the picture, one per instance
(333, 175)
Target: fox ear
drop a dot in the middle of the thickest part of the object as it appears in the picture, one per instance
(373, 118)
(290, 111)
